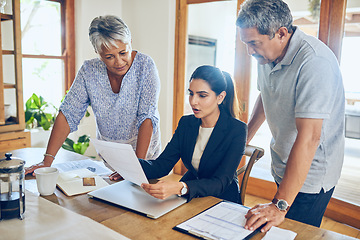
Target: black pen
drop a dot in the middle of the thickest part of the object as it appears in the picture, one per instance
(256, 231)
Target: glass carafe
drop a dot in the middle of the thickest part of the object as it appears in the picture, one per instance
(12, 187)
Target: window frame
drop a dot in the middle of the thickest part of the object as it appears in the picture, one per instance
(67, 42)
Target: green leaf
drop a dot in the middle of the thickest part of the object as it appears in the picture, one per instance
(46, 125)
(77, 147)
(44, 122)
(36, 101)
(49, 116)
(29, 123)
(67, 147)
(80, 147)
(84, 146)
(69, 142)
(30, 120)
(84, 138)
(28, 116)
(28, 104)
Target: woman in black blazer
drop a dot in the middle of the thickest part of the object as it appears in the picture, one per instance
(210, 143)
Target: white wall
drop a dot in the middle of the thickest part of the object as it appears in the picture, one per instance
(152, 24)
(85, 12)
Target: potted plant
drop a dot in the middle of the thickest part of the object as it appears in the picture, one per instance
(36, 115)
(79, 147)
(40, 116)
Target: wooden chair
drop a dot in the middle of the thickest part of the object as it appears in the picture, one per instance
(254, 153)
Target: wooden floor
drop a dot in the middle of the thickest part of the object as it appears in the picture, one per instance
(327, 223)
(348, 187)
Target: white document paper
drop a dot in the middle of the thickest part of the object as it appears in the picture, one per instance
(122, 158)
(96, 167)
(224, 221)
(279, 234)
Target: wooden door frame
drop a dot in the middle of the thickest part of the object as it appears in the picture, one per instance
(331, 25)
(179, 69)
(68, 50)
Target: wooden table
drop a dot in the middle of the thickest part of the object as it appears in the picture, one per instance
(136, 226)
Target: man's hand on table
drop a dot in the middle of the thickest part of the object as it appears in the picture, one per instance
(264, 213)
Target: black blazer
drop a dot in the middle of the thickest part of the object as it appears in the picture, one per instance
(216, 174)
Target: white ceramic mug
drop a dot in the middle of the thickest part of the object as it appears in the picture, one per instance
(46, 178)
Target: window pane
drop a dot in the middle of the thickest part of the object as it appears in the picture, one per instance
(44, 77)
(41, 27)
(10, 106)
(350, 49)
(306, 15)
(212, 31)
(349, 66)
(7, 36)
(8, 69)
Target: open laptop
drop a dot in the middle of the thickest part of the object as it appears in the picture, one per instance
(132, 196)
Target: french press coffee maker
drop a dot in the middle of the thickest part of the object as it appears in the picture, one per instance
(12, 187)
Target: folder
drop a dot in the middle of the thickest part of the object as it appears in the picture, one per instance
(224, 220)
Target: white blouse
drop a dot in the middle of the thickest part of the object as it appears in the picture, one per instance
(201, 141)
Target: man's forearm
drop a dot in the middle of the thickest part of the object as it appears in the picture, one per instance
(300, 159)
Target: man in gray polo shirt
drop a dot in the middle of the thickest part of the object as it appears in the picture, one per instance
(302, 99)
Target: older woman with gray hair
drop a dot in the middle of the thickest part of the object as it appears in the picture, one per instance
(122, 86)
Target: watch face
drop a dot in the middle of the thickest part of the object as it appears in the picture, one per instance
(282, 205)
(183, 190)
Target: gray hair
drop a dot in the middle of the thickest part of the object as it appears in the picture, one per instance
(268, 16)
(106, 30)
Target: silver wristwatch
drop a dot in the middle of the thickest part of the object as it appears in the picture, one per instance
(183, 190)
(281, 204)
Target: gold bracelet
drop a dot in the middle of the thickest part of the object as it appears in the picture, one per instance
(49, 155)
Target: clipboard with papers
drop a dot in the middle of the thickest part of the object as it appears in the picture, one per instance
(225, 220)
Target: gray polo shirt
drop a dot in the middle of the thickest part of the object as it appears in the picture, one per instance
(307, 83)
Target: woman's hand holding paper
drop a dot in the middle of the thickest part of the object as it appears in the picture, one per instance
(115, 176)
(162, 189)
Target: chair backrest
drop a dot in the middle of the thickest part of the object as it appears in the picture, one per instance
(254, 153)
